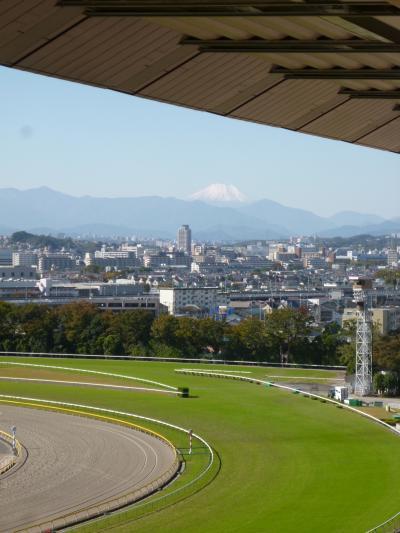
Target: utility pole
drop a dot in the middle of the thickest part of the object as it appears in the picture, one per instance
(363, 383)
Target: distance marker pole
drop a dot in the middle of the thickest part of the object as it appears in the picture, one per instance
(190, 440)
(14, 444)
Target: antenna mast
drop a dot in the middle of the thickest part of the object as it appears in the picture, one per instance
(363, 384)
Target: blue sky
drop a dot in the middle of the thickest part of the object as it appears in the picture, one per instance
(83, 140)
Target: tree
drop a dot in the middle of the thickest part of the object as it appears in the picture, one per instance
(159, 349)
(211, 333)
(7, 326)
(390, 276)
(323, 350)
(248, 340)
(386, 353)
(132, 328)
(80, 327)
(188, 337)
(93, 269)
(112, 345)
(347, 350)
(391, 383)
(164, 329)
(287, 328)
(379, 383)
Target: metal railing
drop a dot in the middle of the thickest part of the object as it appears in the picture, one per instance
(392, 525)
(204, 359)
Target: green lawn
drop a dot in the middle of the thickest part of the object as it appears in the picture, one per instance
(141, 369)
(289, 464)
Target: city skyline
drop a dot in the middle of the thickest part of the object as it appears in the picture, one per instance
(82, 140)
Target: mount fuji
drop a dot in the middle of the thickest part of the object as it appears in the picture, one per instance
(220, 193)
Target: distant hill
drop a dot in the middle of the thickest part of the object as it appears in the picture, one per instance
(296, 221)
(23, 237)
(384, 228)
(152, 216)
(351, 218)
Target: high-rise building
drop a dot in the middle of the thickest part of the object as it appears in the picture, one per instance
(185, 239)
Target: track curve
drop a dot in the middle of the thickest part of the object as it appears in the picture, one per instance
(73, 463)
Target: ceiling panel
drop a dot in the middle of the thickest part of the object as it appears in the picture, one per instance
(145, 56)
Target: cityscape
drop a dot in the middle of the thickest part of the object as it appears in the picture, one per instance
(230, 283)
(309, 271)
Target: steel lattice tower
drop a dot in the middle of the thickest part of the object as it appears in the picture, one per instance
(363, 383)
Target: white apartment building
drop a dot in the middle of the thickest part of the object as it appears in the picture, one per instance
(56, 261)
(179, 300)
(113, 254)
(24, 259)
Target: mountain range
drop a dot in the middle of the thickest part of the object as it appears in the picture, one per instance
(44, 210)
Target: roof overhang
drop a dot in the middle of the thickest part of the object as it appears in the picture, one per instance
(328, 68)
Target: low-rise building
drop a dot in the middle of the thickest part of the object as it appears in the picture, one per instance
(56, 261)
(159, 259)
(315, 262)
(149, 303)
(181, 300)
(386, 319)
(18, 289)
(17, 272)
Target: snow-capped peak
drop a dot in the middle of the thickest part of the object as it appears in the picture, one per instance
(219, 192)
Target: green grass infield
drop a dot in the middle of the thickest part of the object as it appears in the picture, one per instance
(287, 464)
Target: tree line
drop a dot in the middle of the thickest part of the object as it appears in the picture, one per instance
(286, 335)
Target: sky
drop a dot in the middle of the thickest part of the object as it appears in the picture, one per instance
(83, 140)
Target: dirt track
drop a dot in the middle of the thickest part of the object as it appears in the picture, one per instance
(72, 463)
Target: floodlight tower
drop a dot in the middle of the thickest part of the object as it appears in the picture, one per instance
(363, 384)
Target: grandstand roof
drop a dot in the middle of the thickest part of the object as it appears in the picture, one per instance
(327, 68)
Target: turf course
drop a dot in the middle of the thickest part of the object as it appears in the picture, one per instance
(289, 464)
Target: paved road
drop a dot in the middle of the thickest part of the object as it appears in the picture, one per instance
(72, 462)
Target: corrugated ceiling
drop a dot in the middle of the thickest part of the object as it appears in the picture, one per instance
(229, 64)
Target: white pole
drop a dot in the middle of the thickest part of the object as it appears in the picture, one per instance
(14, 430)
(190, 440)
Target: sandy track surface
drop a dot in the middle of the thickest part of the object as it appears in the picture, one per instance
(5, 448)
(72, 463)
